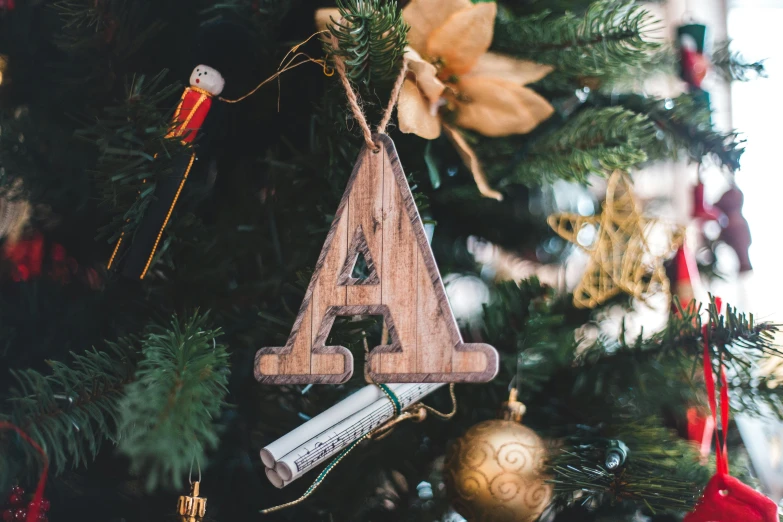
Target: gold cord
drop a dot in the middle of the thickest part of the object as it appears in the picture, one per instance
(114, 253)
(445, 416)
(168, 215)
(287, 66)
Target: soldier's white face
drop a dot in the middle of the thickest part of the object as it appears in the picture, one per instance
(207, 78)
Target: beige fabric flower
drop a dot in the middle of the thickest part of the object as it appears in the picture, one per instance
(452, 72)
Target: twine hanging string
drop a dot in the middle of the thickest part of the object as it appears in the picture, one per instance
(417, 412)
(355, 104)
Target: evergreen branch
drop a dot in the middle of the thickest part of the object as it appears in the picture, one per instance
(741, 345)
(607, 37)
(134, 150)
(167, 415)
(595, 141)
(77, 14)
(121, 26)
(738, 338)
(262, 16)
(661, 473)
(732, 66)
(686, 128)
(629, 132)
(525, 323)
(53, 178)
(652, 372)
(371, 36)
(69, 412)
(657, 370)
(664, 60)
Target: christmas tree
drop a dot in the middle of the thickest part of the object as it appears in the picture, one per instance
(170, 171)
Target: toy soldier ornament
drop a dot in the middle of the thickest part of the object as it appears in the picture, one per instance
(136, 254)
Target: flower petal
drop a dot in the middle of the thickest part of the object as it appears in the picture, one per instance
(414, 115)
(425, 15)
(324, 17)
(463, 38)
(498, 107)
(471, 161)
(426, 76)
(511, 69)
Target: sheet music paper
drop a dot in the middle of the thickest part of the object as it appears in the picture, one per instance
(328, 442)
(274, 478)
(339, 412)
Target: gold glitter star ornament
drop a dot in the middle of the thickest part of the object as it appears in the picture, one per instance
(620, 257)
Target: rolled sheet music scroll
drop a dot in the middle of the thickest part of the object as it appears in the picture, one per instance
(291, 456)
(339, 412)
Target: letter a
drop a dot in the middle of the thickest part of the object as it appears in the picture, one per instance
(378, 219)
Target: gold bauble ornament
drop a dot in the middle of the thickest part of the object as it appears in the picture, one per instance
(494, 473)
(192, 508)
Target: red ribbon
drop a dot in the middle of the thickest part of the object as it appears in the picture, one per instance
(721, 449)
(32, 513)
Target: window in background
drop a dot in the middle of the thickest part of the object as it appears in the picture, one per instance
(757, 111)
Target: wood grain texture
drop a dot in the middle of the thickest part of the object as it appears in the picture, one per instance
(358, 246)
(377, 217)
(326, 293)
(398, 283)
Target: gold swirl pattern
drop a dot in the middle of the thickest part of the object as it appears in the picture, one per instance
(493, 473)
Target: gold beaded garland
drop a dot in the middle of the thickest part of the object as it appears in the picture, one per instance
(493, 473)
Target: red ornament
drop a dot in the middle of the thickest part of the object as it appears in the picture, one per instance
(205, 82)
(700, 430)
(58, 252)
(15, 500)
(23, 513)
(736, 233)
(695, 65)
(191, 113)
(27, 257)
(8, 515)
(684, 278)
(727, 499)
(43, 506)
(19, 490)
(702, 209)
(8, 5)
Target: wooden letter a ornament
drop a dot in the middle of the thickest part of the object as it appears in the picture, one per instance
(378, 219)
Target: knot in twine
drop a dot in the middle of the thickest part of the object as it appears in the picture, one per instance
(355, 104)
